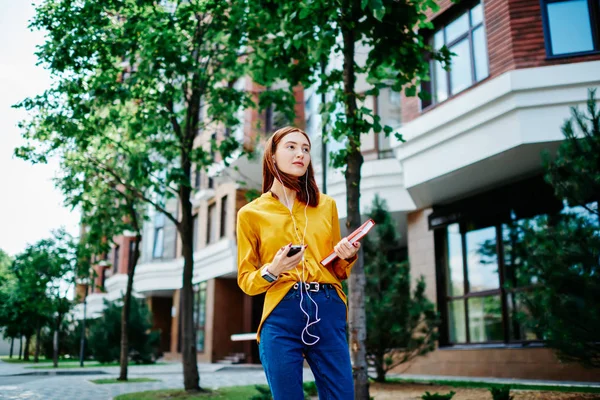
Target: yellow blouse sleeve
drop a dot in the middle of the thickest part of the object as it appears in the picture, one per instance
(249, 278)
(341, 268)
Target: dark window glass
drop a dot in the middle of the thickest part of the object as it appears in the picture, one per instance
(200, 315)
(211, 226)
(116, 259)
(224, 206)
(195, 232)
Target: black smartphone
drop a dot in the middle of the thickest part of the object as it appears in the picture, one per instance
(295, 249)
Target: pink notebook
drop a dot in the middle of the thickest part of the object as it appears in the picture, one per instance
(354, 237)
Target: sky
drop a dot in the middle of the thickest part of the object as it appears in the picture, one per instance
(30, 206)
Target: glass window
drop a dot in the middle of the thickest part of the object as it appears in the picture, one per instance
(457, 28)
(480, 54)
(116, 259)
(465, 38)
(159, 238)
(200, 315)
(569, 27)
(485, 319)
(456, 321)
(211, 226)
(223, 225)
(456, 283)
(195, 232)
(482, 260)
(460, 72)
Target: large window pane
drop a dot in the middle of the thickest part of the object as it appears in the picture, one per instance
(482, 260)
(455, 271)
(457, 28)
(520, 326)
(460, 73)
(440, 81)
(569, 25)
(480, 54)
(456, 321)
(477, 15)
(485, 319)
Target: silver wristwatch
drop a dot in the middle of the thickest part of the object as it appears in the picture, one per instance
(269, 277)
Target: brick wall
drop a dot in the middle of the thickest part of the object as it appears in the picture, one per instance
(534, 363)
(421, 251)
(515, 40)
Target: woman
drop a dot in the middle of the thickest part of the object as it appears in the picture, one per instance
(304, 314)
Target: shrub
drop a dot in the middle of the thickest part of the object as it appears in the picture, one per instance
(438, 396)
(105, 334)
(501, 393)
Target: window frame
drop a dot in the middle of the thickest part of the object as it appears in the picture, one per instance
(594, 13)
(430, 86)
(510, 326)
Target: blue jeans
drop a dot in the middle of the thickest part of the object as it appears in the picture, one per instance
(282, 350)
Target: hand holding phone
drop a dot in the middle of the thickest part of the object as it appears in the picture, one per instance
(295, 249)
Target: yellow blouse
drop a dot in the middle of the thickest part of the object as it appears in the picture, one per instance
(265, 225)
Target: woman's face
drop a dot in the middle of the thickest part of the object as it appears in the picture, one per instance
(292, 154)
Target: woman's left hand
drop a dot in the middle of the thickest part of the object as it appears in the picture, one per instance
(345, 250)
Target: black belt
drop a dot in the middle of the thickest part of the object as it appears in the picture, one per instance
(314, 286)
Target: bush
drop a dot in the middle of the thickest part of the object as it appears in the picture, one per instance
(105, 334)
(310, 388)
(438, 396)
(501, 393)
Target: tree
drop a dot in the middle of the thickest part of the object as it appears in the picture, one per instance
(168, 70)
(294, 40)
(400, 327)
(108, 208)
(105, 334)
(562, 252)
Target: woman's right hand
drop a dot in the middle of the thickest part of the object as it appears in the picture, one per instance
(282, 263)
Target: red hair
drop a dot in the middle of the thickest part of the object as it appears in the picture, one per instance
(297, 184)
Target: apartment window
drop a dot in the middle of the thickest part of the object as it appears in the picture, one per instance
(200, 314)
(483, 275)
(131, 261)
(223, 225)
(159, 235)
(465, 37)
(195, 232)
(197, 177)
(211, 226)
(571, 27)
(116, 259)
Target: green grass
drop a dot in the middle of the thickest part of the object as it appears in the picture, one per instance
(89, 364)
(15, 360)
(229, 393)
(108, 381)
(485, 385)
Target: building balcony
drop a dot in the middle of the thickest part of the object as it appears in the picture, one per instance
(492, 133)
(213, 261)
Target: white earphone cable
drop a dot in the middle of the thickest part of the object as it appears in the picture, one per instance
(302, 278)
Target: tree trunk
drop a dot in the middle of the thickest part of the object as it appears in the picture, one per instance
(38, 332)
(20, 346)
(356, 282)
(12, 343)
(55, 344)
(126, 310)
(379, 363)
(26, 352)
(191, 378)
